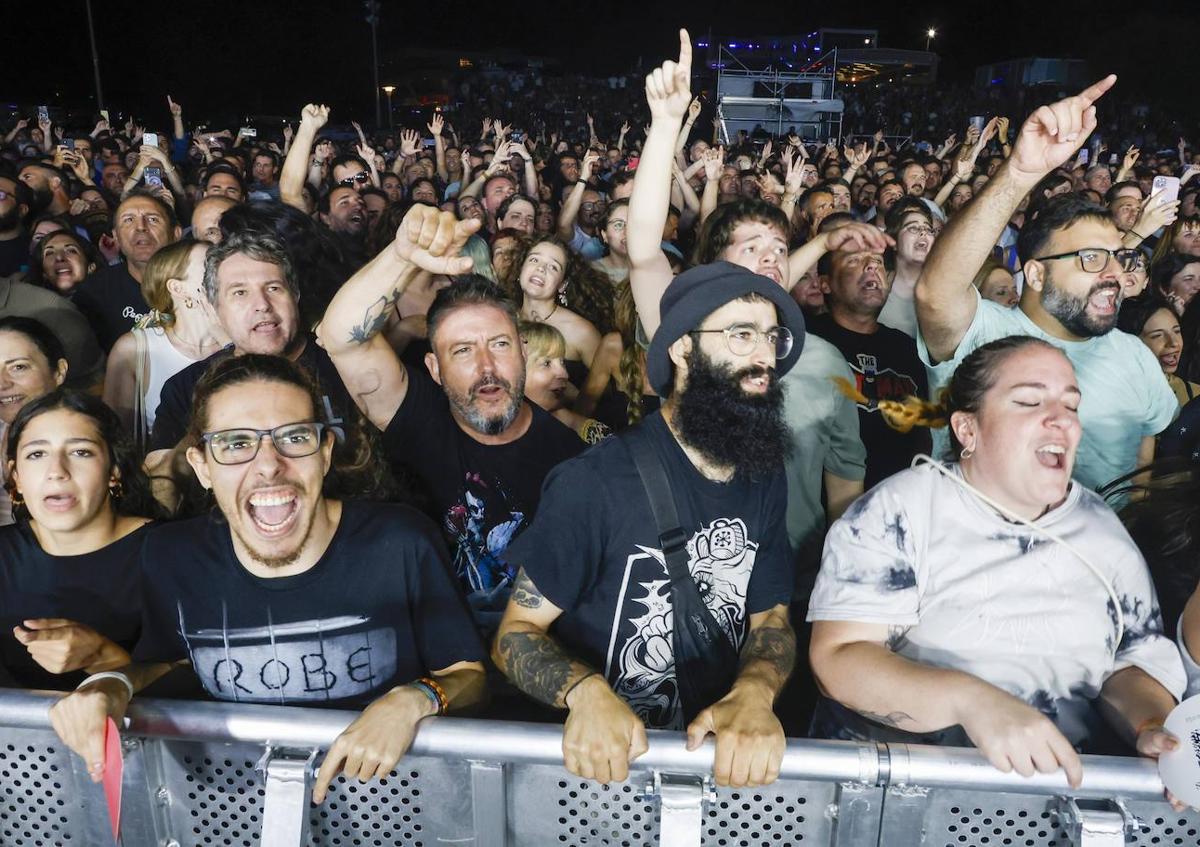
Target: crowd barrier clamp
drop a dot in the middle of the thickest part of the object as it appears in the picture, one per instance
(241, 776)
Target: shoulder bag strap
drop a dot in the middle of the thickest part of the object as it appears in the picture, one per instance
(662, 505)
(141, 436)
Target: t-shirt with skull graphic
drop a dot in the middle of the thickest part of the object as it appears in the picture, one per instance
(593, 551)
(482, 495)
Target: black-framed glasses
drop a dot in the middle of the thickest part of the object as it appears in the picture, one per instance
(1095, 259)
(360, 177)
(238, 446)
(743, 339)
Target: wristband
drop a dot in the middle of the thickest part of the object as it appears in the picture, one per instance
(432, 688)
(576, 685)
(1149, 723)
(117, 675)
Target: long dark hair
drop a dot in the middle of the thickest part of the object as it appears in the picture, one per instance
(136, 498)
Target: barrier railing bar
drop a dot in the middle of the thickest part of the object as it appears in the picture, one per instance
(541, 744)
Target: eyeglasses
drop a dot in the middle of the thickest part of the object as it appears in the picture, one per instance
(590, 206)
(238, 446)
(361, 176)
(743, 339)
(919, 229)
(1095, 259)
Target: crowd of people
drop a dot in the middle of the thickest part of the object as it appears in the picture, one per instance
(654, 428)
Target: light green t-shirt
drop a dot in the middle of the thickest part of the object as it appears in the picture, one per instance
(1125, 393)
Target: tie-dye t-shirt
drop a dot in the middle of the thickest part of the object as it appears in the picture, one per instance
(960, 587)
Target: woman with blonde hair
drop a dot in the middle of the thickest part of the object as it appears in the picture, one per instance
(182, 328)
(546, 380)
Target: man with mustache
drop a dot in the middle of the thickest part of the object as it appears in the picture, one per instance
(592, 563)
(464, 427)
(1072, 257)
(883, 360)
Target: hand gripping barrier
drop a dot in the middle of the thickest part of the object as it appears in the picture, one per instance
(240, 776)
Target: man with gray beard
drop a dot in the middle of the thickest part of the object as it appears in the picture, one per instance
(464, 428)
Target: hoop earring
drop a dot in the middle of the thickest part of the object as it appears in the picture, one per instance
(189, 303)
(966, 453)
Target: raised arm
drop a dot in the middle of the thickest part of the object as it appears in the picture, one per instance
(964, 164)
(944, 295)
(685, 131)
(570, 209)
(436, 126)
(375, 377)
(295, 166)
(668, 93)
(713, 160)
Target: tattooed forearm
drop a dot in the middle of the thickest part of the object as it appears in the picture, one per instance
(537, 665)
(893, 719)
(374, 318)
(771, 648)
(525, 593)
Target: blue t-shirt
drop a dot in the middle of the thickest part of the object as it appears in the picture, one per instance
(1125, 393)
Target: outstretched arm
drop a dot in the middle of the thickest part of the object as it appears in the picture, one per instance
(427, 239)
(668, 93)
(295, 166)
(944, 295)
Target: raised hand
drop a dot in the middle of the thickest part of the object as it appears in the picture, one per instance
(1052, 134)
(487, 127)
(436, 125)
(694, 109)
(366, 153)
(669, 88)
(288, 132)
(857, 156)
(590, 158)
(1002, 129)
(432, 239)
(313, 117)
(857, 238)
(175, 108)
(502, 131)
(361, 137)
(410, 140)
(714, 162)
(625, 127)
(1131, 157)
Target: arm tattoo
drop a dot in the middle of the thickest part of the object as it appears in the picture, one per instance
(893, 719)
(525, 593)
(374, 318)
(536, 664)
(774, 645)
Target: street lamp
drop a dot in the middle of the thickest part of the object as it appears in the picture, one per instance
(388, 89)
(929, 36)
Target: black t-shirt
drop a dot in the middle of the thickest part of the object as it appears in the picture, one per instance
(99, 589)
(174, 411)
(14, 254)
(593, 551)
(886, 367)
(378, 609)
(111, 300)
(482, 495)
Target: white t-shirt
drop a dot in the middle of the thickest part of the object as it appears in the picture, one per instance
(1125, 394)
(967, 590)
(1189, 664)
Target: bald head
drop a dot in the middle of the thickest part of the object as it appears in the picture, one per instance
(206, 218)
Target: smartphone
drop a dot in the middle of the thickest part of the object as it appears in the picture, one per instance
(1169, 188)
(1084, 155)
(429, 143)
(153, 177)
(977, 121)
(1112, 160)
(518, 135)
(69, 143)
(249, 132)
(104, 114)
(150, 138)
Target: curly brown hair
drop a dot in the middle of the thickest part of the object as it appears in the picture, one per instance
(588, 292)
(631, 368)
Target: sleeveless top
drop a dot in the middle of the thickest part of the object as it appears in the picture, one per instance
(165, 362)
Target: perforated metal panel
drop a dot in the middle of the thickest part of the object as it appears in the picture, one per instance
(1160, 828)
(996, 820)
(782, 813)
(218, 796)
(549, 808)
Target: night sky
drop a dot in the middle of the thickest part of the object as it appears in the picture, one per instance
(272, 56)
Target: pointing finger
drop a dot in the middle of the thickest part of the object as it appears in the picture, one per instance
(1098, 89)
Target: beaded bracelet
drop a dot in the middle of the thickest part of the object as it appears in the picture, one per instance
(431, 687)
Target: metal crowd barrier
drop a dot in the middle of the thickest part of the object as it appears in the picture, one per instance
(240, 776)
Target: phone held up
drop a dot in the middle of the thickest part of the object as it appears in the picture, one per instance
(153, 177)
(1167, 189)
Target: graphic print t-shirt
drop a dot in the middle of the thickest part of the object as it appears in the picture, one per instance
(960, 587)
(482, 495)
(593, 551)
(379, 609)
(885, 367)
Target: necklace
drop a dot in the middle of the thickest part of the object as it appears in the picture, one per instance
(533, 314)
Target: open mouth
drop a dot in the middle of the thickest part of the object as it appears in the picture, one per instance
(774, 273)
(266, 327)
(1104, 301)
(11, 399)
(1169, 361)
(59, 502)
(1053, 456)
(756, 383)
(273, 512)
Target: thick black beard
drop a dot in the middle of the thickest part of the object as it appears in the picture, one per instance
(716, 417)
(1072, 312)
